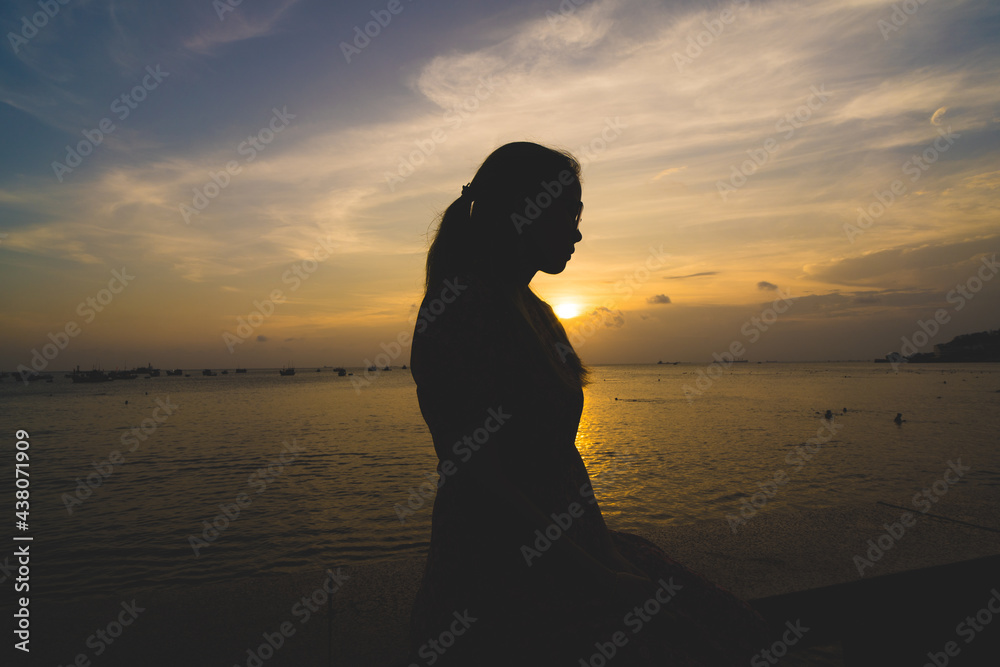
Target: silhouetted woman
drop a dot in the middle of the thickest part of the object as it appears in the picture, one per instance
(522, 569)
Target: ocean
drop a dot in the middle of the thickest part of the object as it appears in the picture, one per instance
(175, 481)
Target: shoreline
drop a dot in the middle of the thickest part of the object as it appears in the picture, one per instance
(365, 621)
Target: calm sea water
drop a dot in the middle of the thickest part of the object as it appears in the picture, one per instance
(655, 457)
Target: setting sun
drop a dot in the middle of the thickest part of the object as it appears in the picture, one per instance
(567, 311)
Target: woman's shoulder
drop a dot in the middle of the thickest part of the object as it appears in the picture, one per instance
(462, 302)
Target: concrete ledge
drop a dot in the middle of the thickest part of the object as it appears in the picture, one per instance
(365, 622)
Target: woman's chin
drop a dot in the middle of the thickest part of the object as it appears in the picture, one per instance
(555, 267)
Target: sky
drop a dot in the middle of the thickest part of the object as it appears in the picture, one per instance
(253, 184)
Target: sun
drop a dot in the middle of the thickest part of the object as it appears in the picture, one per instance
(567, 311)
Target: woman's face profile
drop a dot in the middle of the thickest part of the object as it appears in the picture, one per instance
(552, 237)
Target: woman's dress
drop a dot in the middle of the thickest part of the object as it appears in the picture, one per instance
(492, 395)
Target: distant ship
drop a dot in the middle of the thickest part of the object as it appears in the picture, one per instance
(148, 370)
(372, 369)
(93, 375)
(241, 370)
(340, 370)
(286, 371)
(208, 372)
(178, 372)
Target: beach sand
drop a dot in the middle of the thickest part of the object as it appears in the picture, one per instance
(364, 623)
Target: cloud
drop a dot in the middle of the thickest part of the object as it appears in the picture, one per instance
(764, 285)
(667, 172)
(938, 115)
(659, 298)
(235, 26)
(612, 319)
(929, 265)
(692, 275)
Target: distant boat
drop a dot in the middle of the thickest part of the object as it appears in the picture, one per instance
(318, 370)
(372, 369)
(122, 375)
(40, 376)
(225, 372)
(740, 360)
(340, 371)
(147, 370)
(208, 372)
(176, 371)
(387, 368)
(286, 371)
(241, 370)
(93, 375)
(403, 367)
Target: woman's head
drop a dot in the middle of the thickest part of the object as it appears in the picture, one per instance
(520, 214)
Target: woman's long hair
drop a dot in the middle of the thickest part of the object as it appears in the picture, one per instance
(479, 235)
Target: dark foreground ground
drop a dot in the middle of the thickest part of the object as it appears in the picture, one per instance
(873, 619)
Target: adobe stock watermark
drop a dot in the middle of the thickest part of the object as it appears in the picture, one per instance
(463, 449)
(697, 44)
(294, 275)
(88, 310)
(561, 523)
(428, 313)
(779, 649)
(453, 118)
(122, 106)
(901, 13)
(566, 9)
(548, 193)
(249, 147)
(304, 609)
(259, 481)
(104, 637)
(381, 18)
(787, 124)
(38, 20)
(968, 629)
(922, 500)
(432, 650)
(752, 329)
(959, 296)
(914, 167)
(86, 487)
(597, 146)
(802, 454)
(223, 7)
(636, 619)
(609, 314)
